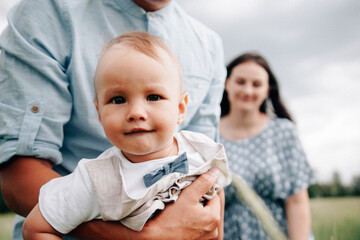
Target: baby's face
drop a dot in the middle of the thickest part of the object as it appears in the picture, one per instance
(139, 102)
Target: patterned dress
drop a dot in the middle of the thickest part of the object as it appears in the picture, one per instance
(274, 164)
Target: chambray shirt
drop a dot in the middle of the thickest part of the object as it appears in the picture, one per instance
(49, 53)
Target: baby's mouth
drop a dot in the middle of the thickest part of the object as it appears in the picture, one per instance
(137, 131)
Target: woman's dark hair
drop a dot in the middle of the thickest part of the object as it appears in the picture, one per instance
(274, 93)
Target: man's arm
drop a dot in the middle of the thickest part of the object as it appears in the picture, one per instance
(24, 176)
(185, 219)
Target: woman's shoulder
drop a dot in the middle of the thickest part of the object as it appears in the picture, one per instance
(283, 123)
(283, 129)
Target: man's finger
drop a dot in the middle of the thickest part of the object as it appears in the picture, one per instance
(202, 184)
(213, 207)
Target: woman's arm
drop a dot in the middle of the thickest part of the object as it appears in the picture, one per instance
(298, 215)
(221, 225)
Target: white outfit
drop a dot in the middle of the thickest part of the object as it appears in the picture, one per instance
(111, 188)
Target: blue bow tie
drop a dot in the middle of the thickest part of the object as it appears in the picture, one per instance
(180, 164)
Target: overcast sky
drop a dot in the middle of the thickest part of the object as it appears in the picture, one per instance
(314, 50)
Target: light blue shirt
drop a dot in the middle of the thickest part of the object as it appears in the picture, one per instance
(49, 53)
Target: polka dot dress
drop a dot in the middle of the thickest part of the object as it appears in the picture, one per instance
(274, 164)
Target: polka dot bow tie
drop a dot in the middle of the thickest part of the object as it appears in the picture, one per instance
(180, 165)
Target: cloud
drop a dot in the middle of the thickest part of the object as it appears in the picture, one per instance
(328, 119)
(5, 7)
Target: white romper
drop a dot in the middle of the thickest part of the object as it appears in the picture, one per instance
(101, 188)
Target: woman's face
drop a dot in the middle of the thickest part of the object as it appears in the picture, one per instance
(247, 86)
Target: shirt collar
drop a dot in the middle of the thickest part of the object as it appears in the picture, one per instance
(131, 7)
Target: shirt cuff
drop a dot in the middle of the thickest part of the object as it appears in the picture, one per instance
(42, 150)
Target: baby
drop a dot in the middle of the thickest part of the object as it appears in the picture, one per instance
(140, 99)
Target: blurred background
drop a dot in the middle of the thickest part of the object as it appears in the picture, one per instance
(314, 50)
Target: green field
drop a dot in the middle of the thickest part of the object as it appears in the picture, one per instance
(336, 218)
(332, 219)
(6, 223)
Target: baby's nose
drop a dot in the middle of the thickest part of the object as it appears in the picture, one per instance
(137, 112)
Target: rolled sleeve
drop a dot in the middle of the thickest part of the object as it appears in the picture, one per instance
(35, 101)
(24, 144)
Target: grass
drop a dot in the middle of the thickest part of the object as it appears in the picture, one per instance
(336, 218)
(6, 224)
(332, 219)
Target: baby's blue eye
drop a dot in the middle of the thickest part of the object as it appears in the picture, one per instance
(118, 100)
(153, 97)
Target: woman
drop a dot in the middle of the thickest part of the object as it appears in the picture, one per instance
(263, 147)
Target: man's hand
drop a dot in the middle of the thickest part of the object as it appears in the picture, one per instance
(187, 218)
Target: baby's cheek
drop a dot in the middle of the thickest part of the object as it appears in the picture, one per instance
(112, 127)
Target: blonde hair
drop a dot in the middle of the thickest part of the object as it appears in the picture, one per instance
(148, 45)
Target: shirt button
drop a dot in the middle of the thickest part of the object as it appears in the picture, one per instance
(35, 108)
(151, 14)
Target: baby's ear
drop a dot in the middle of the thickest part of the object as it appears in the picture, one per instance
(182, 107)
(97, 109)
